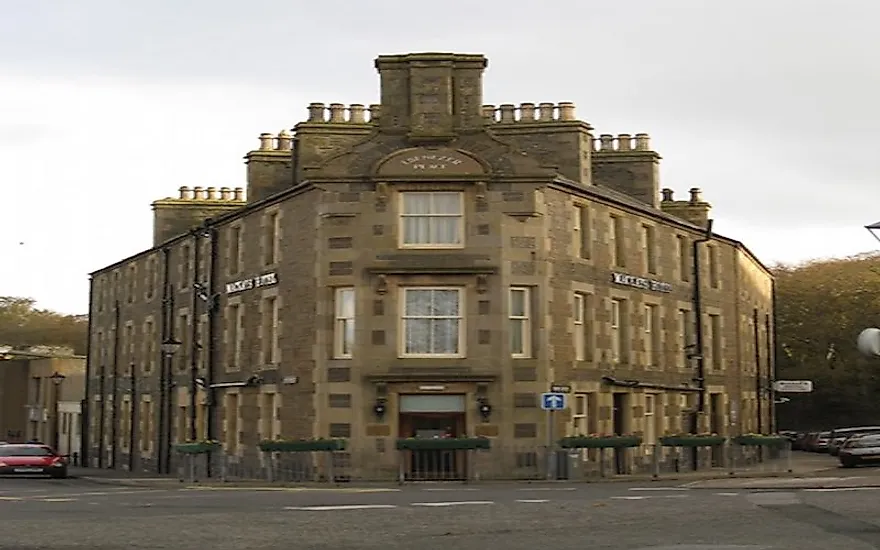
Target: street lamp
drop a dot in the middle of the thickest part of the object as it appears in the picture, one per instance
(874, 230)
(869, 339)
(57, 378)
(170, 346)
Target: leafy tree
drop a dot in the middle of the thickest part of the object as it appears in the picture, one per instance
(23, 325)
(822, 306)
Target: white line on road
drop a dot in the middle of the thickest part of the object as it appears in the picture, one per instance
(451, 489)
(341, 507)
(837, 489)
(548, 489)
(54, 499)
(659, 489)
(460, 503)
(727, 494)
(533, 500)
(630, 498)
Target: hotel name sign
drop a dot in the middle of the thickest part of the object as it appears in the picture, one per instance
(266, 279)
(640, 282)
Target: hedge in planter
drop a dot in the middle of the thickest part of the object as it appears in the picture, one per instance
(197, 447)
(302, 445)
(760, 440)
(600, 442)
(443, 444)
(692, 440)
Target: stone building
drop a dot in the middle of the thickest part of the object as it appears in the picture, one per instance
(428, 265)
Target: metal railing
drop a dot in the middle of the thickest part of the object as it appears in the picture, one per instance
(500, 463)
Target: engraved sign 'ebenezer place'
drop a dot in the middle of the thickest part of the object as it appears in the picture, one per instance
(422, 161)
(640, 282)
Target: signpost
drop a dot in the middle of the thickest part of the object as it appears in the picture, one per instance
(793, 386)
(552, 402)
(560, 388)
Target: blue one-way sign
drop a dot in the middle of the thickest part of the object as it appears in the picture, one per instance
(553, 401)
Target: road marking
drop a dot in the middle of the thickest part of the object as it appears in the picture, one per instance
(548, 489)
(533, 500)
(294, 489)
(54, 499)
(341, 507)
(727, 494)
(659, 489)
(11, 499)
(630, 498)
(460, 503)
(837, 489)
(451, 489)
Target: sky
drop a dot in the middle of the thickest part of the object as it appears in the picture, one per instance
(105, 106)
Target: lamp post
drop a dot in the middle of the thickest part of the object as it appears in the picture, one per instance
(868, 342)
(169, 347)
(57, 378)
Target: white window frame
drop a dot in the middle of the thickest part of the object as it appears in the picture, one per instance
(616, 336)
(342, 348)
(580, 414)
(650, 312)
(651, 419)
(523, 322)
(402, 215)
(578, 319)
(402, 352)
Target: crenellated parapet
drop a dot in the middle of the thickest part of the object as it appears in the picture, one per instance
(509, 113)
(339, 113)
(621, 143)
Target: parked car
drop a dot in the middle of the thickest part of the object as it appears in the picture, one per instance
(30, 460)
(840, 435)
(819, 443)
(858, 450)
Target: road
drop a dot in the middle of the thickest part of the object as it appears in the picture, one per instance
(64, 514)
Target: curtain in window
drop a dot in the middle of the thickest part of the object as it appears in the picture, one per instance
(432, 218)
(431, 321)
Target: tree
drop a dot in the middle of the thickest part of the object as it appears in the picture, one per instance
(822, 306)
(23, 325)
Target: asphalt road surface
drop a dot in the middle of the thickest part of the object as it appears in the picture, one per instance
(65, 514)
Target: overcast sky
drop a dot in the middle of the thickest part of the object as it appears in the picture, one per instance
(105, 105)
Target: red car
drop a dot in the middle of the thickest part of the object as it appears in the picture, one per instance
(31, 460)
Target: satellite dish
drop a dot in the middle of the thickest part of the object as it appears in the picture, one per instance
(869, 342)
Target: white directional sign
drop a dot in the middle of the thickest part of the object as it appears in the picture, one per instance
(793, 386)
(553, 401)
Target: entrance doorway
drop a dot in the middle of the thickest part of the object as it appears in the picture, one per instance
(433, 417)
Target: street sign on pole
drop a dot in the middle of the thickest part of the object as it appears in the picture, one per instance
(793, 386)
(553, 401)
(560, 388)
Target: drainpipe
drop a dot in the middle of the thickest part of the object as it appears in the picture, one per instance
(759, 377)
(194, 343)
(164, 371)
(209, 348)
(132, 419)
(85, 434)
(698, 316)
(114, 411)
(102, 417)
(770, 327)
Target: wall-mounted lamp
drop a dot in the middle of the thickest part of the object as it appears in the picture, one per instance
(484, 407)
(380, 408)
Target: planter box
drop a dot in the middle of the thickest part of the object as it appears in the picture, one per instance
(443, 444)
(760, 440)
(196, 448)
(692, 441)
(302, 446)
(610, 442)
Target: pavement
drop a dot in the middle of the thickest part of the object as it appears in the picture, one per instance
(663, 515)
